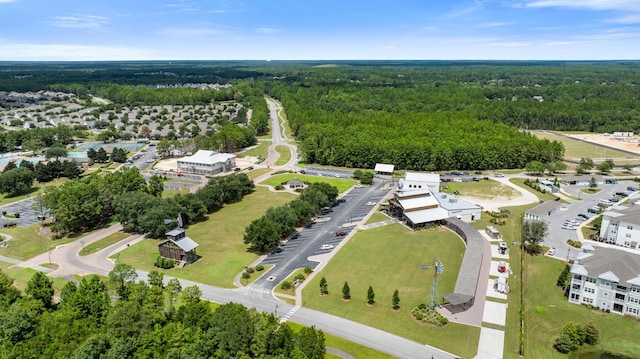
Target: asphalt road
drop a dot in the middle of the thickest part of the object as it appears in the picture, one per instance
(307, 242)
(556, 236)
(328, 172)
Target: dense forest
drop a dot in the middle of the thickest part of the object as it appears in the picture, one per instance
(146, 319)
(422, 115)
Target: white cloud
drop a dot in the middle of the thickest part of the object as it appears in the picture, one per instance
(627, 5)
(628, 19)
(510, 44)
(561, 43)
(13, 51)
(466, 8)
(91, 22)
(494, 24)
(5, 1)
(192, 32)
(267, 30)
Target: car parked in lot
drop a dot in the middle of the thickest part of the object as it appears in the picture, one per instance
(552, 251)
(502, 266)
(277, 250)
(325, 247)
(341, 233)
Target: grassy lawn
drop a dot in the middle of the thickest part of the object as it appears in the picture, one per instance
(261, 150)
(341, 184)
(104, 243)
(575, 150)
(357, 350)
(255, 275)
(547, 311)
(257, 172)
(285, 155)
(220, 238)
(37, 189)
(168, 193)
(485, 189)
(21, 277)
(590, 190)
(290, 279)
(27, 242)
(399, 268)
(377, 217)
(543, 196)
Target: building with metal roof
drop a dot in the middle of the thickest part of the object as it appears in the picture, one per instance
(607, 277)
(621, 226)
(207, 163)
(178, 246)
(543, 211)
(384, 169)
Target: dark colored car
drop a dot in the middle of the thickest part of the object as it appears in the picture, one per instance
(341, 233)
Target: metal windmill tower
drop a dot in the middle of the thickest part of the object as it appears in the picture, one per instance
(438, 268)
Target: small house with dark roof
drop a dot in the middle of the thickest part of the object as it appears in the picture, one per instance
(295, 183)
(178, 246)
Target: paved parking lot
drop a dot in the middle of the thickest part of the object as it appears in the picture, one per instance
(556, 236)
(328, 172)
(28, 215)
(343, 217)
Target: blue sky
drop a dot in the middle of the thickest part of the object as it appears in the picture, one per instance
(319, 30)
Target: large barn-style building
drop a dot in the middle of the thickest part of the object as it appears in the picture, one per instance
(419, 202)
(178, 247)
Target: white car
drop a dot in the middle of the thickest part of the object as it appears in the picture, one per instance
(337, 176)
(552, 251)
(325, 247)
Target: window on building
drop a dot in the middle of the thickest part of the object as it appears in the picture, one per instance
(628, 235)
(630, 228)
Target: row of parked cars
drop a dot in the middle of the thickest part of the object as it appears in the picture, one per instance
(572, 224)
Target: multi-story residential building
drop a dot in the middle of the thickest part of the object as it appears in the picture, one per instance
(622, 227)
(607, 277)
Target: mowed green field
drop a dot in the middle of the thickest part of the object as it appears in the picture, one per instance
(484, 189)
(223, 253)
(260, 150)
(389, 258)
(342, 184)
(575, 150)
(285, 155)
(547, 311)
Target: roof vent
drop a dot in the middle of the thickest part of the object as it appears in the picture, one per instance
(453, 200)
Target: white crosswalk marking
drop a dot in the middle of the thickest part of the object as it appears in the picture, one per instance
(258, 290)
(291, 313)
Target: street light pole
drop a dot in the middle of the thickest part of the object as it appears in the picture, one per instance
(49, 258)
